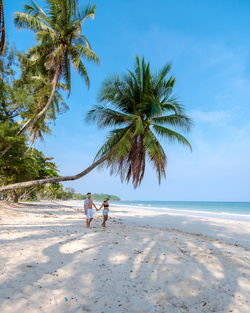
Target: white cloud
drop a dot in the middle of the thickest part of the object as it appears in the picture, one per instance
(210, 117)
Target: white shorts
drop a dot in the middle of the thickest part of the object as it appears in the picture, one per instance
(90, 213)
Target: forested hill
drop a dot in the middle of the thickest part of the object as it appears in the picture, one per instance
(102, 196)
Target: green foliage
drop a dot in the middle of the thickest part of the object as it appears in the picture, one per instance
(17, 94)
(58, 29)
(57, 191)
(60, 44)
(20, 163)
(102, 196)
(17, 164)
(24, 91)
(140, 106)
(36, 81)
(11, 95)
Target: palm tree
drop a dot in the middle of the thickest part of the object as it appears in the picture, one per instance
(2, 27)
(58, 31)
(141, 107)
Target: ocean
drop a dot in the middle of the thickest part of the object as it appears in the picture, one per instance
(232, 210)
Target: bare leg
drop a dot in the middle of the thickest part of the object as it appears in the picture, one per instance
(105, 217)
(90, 220)
(87, 223)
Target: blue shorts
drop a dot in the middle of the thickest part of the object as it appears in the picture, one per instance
(105, 212)
(90, 213)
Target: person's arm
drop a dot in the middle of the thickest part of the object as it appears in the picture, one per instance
(95, 206)
(101, 207)
(85, 208)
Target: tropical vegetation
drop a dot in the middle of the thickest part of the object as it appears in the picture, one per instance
(139, 106)
(60, 43)
(102, 196)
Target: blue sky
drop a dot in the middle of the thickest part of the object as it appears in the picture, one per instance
(208, 44)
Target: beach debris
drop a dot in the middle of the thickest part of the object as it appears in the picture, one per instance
(138, 251)
(204, 303)
(66, 299)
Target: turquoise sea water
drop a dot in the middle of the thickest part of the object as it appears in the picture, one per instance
(200, 208)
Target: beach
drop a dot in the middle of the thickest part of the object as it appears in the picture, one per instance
(144, 261)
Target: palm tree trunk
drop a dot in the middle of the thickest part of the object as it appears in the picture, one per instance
(53, 179)
(31, 121)
(2, 29)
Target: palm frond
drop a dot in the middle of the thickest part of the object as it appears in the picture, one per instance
(66, 71)
(178, 120)
(171, 135)
(155, 154)
(106, 117)
(83, 72)
(118, 142)
(87, 12)
(87, 53)
(25, 20)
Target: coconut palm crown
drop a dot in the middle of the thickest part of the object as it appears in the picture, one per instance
(141, 107)
(58, 30)
(61, 43)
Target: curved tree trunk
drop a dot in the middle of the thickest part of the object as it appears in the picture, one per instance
(2, 27)
(53, 179)
(31, 121)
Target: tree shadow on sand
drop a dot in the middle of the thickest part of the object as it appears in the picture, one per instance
(120, 269)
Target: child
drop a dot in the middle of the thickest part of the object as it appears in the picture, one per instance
(105, 206)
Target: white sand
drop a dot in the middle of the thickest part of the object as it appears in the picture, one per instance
(47, 255)
(229, 230)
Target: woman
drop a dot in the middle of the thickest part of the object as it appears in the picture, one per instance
(105, 206)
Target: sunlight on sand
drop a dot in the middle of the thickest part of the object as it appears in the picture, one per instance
(53, 266)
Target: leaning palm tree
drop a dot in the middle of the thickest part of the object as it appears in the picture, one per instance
(58, 31)
(2, 27)
(141, 107)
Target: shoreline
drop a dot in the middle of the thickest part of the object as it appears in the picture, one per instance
(231, 231)
(187, 212)
(48, 256)
(180, 211)
(197, 213)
